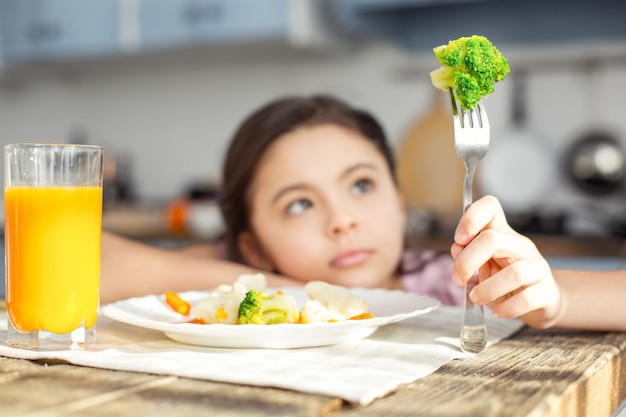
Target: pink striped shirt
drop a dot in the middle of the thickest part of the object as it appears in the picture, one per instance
(428, 272)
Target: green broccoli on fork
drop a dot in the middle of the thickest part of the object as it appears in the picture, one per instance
(470, 67)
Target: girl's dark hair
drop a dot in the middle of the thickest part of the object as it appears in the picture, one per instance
(259, 131)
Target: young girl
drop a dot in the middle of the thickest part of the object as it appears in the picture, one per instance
(308, 193)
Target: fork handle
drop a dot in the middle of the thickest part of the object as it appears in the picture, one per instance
(473, 329)
(470, 170)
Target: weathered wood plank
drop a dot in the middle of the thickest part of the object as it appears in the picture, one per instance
(535, 373)
(187, 397)
(66, 390)
(50, 385)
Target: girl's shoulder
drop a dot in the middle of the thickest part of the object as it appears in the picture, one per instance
(416, 260)
(428, 272)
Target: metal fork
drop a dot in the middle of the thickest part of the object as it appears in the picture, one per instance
(471, 141)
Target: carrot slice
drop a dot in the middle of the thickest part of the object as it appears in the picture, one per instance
(176, 303)
(362, 316)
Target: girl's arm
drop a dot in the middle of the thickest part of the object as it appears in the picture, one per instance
(130, 268)
(594, 300)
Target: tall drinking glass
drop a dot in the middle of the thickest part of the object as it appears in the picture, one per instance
(53, 229)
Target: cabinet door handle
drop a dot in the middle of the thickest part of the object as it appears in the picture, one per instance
(43, 31)
(198, 13)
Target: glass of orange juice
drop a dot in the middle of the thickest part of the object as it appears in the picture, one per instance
(53, 229)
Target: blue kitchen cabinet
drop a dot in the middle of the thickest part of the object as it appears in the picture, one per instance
(43, 31)
(48, 30)
(422, 24)
(165, 24)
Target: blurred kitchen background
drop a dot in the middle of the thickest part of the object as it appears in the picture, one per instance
(163, 84)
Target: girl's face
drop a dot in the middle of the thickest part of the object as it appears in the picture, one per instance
(323, 206)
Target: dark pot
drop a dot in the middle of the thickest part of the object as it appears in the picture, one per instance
(596, 163)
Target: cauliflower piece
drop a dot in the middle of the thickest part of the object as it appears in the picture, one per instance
(256, 282)
(222, 304)
(330, 303)
(314, 311)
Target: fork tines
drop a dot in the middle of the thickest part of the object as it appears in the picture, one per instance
(476, 117)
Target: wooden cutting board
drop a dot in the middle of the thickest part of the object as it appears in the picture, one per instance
(430, 173)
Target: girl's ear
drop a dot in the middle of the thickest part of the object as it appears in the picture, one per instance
(253, 253)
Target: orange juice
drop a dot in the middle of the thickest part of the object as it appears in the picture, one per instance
(52, 243)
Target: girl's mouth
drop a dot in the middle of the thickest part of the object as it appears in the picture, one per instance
(351, 258)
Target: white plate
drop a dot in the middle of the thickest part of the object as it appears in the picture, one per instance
(389, 306)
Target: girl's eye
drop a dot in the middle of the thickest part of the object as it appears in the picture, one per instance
(362, 186)
(298, 207)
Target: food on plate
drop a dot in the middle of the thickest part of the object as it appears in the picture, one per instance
(260, 308)
(330, 303)
(256, 282)
(247, 301)
(222, 304)
(177, 304)
(469, 66)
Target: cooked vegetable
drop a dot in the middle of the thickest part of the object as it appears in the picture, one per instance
(247, 302)
(260, 308)
(470, 66)
(362, 316)
(330, 303)
(222, 304)
(176, 303)
(250, 309)
(256, 282)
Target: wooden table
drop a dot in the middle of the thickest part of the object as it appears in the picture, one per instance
(533, 373)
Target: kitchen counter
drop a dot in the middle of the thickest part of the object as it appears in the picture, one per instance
(548, 244)
(143, 222)
(178, 220)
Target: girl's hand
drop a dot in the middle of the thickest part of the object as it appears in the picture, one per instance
(514, 278)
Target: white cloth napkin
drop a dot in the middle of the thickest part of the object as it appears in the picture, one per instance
(359, 371)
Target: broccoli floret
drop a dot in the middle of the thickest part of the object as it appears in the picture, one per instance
(470, 66)
(260, 308)
(250, 309)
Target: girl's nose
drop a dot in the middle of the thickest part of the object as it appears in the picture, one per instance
(341, 223)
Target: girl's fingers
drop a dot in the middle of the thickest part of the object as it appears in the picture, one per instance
(535, 303)
(483, 213)
(511, 280)
(501, 248)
